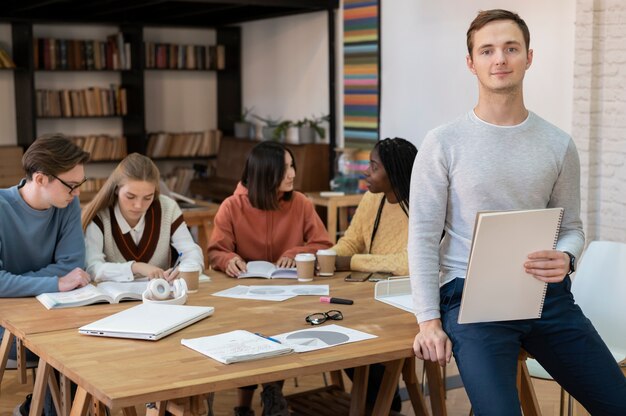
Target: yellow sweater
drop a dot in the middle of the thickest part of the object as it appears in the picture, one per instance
(388, 252)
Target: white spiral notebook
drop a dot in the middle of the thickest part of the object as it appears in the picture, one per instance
(497, 288)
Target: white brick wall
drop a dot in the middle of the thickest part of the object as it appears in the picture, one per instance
(599, 116)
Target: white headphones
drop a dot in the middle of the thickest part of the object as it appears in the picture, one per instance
(159, 290)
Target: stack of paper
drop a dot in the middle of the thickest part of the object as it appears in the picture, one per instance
(236, 346)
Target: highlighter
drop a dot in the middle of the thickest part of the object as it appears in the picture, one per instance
(328, 299)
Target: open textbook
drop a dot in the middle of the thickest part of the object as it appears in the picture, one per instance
(111, 292)
(268, 270)
(497, 288)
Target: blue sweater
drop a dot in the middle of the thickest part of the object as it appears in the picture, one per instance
(37, 247)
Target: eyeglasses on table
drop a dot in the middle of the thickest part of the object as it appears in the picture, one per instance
(321, 317)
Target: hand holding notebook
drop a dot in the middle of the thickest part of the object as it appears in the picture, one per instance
(497, 287)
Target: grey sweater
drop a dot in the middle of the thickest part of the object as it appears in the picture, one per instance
(468, 166)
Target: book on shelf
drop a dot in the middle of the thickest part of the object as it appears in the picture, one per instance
(5, 59)
(105, 292)
(189, 144)
(497, 287)
(236, 346)
(91, 101)
(73, 54)
(268, 270)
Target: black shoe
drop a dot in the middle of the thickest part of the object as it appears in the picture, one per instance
(24, 408)
(243, 411)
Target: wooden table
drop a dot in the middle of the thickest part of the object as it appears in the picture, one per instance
(122, 373)
(22, 317)
(334, 203)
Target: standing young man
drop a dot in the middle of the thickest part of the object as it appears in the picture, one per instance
(497, 157)
(42, 248)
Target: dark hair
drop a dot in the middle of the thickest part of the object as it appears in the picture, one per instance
(397, 156)
(52, 155)
(134, 167)
(487, 16)
(263, 173)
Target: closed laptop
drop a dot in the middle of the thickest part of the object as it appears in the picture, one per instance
(149, 321)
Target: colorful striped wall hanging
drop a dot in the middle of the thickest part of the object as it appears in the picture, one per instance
(361, 83)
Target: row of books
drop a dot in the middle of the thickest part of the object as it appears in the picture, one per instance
(172, 56)
(179, 179)
(93, 185)
(102, 146)
(88, 102)
(72, 54)
(5, 59)
(203, 143)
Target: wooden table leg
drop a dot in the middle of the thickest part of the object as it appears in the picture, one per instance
(65, 394)
(80, 407)
(129, 411)
(435, 388)
(359, 390)
(21, 361)
(5, 348)
(97, 408)
(528, 400)
(413, 388)
(39, 390)
(53, 386)
(331, 221)
(387, 387)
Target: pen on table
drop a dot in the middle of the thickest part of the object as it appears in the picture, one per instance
(328, 299)
(266, 337)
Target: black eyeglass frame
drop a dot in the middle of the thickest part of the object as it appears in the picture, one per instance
(322, 317)
(72, 188)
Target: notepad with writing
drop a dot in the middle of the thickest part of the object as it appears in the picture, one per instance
(105, 292)
(497, 288)
(236, 346)
(268, 270)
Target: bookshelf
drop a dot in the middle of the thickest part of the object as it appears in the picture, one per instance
(219, 16)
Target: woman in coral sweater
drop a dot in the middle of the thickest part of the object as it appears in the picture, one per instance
(265, 219)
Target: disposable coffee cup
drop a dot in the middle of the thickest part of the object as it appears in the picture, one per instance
(305, 265)
(326, 262)
(191, 275)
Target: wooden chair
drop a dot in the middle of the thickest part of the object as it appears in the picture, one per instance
(202, 217)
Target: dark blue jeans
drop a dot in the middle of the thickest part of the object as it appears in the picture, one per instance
(563, 341)
(48, 407)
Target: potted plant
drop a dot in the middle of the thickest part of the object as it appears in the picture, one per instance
(287, 130)
(309, 128)
(271, 129)
(243, 127)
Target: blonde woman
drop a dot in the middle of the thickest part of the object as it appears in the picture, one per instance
(131, 230)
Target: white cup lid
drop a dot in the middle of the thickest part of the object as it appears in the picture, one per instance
(326, 252)
(305, 257)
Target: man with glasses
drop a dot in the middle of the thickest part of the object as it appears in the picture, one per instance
(41, 241)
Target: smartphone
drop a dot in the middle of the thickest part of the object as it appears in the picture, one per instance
(378, 276)
(357, 276)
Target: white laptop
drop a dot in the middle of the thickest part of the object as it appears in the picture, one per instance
(148, 321)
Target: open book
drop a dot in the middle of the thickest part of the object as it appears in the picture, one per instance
(111, 292)
(236, 346)
(497, 288)
(268, 270)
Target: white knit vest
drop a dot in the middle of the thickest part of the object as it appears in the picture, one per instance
(162, 219)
